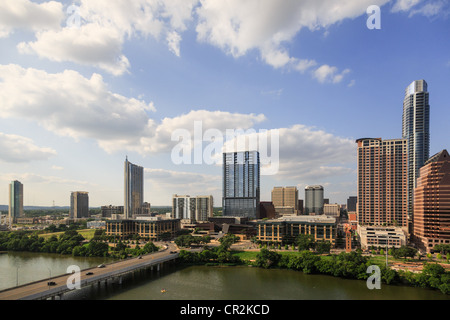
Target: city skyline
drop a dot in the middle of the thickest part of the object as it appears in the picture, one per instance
(318, 75)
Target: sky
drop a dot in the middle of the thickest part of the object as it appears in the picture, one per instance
(85, 84)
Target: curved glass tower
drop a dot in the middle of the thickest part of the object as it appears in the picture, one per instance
(416, 130)
(134, 189)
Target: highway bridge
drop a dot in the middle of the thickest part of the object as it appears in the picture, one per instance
(56, 287)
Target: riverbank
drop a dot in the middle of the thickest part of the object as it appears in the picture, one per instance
(351, 265)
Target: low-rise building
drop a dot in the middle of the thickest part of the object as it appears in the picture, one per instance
(381, 236)
(286, 229)
(332, 210)
(145, 228)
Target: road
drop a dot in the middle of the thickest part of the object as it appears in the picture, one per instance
(112, 269)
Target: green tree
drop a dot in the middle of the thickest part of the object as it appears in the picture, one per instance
(323, 247)
(305, 242)
(266, 258)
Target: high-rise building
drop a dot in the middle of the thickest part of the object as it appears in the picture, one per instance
(382, 182)
(351, 203)
(285, 200)
(314, 200)
(198, 208)
(432, 203)
(416, 131)
(134, 189)
(241, 184)
(79, 205)
(15, 209)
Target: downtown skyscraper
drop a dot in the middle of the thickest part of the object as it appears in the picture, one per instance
(79, 205)
(382, 182)
(314, 200)
(241, 184)
(416, 131)
(15, 209)
(133, 189)
(432, 203)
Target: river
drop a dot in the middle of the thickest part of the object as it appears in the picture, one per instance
(204, 283)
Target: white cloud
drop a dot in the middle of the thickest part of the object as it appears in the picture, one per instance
(326, 73)
(173, 41)
(161, 141)
(239, 27)
(24, 14)
(14, 148)
(165, 183)
(91, 45)
(104, 28)
(404, 5)
(71, 105)
(429, 9)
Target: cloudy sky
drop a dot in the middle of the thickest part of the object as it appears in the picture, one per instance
(83, 84)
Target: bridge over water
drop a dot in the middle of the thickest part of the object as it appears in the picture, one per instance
(39, 290)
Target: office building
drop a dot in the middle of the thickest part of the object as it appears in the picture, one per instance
(108, 211)
(79, 205)
(416, 131)
(432, 203)
(382, 182)
(194, 209)
(314, 200)
(381, 236)
(286, 229)
(134, 189)
(351, 203)
(15, 209)
(149, 228)
(332, 210)
(241, 184)
(285, 200)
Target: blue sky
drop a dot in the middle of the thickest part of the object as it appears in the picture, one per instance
(75, 99)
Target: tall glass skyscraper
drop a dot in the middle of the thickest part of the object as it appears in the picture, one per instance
(134, 189)
(241, 184)
(416, 131)
(314, 200)
(15, 209)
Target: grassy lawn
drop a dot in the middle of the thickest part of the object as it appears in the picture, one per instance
(86, 233)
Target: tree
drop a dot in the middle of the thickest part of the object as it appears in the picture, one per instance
(305, 242)
(266, 258)
(323, 247)
(405, 252)
(149, 248)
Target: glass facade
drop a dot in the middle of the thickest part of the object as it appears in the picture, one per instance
(15, 200)
(314, 200)
(416, 130)
(241, 184)
(134, 189)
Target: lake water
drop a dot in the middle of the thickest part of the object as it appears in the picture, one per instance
(203, 283)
